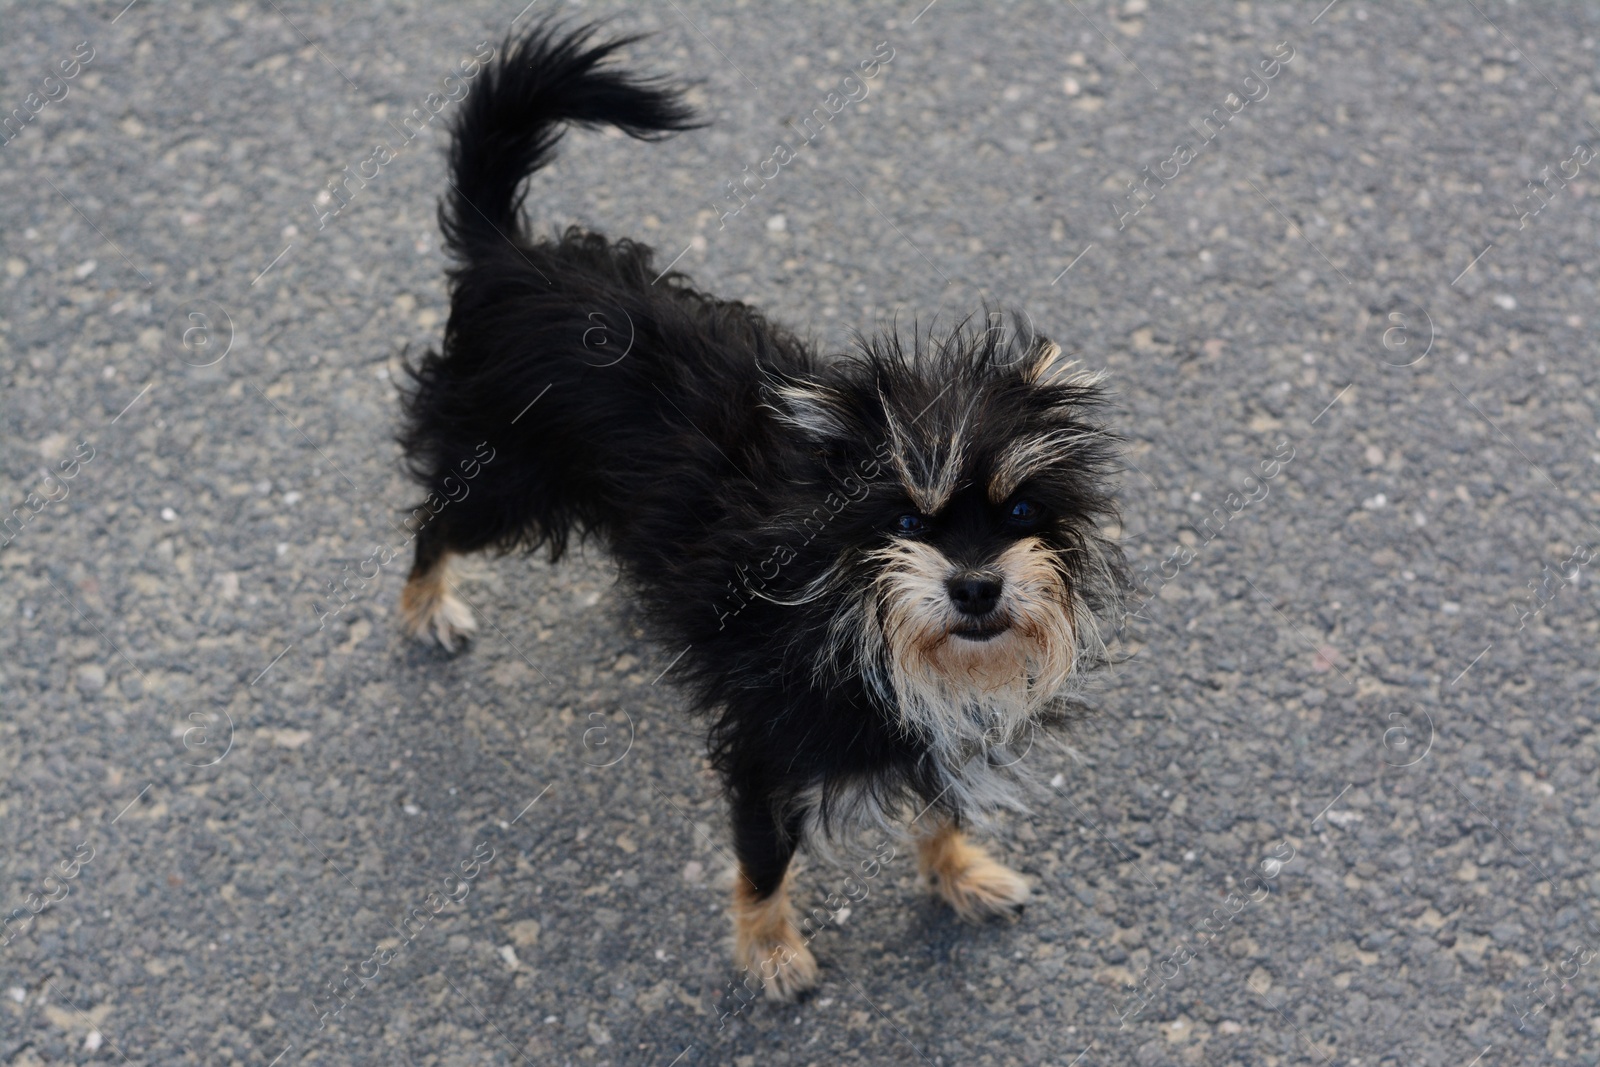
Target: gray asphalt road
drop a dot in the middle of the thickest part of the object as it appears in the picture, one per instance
(1354, 355)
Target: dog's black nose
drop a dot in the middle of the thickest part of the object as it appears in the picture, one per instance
(974, 594)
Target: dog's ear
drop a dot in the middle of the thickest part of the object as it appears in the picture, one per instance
(809, 407)
(1043, 360)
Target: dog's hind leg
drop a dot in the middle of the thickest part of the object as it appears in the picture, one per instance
(967, 877)
(429, 604)
(766, 940)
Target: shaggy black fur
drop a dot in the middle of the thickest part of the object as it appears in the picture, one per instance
(742, 481)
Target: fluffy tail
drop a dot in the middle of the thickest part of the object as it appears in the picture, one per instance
(513, 118)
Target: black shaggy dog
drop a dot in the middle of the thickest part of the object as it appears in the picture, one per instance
(887, 567)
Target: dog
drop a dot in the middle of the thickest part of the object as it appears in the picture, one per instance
(889, 569)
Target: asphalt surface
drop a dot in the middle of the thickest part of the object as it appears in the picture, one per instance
(1370, 681)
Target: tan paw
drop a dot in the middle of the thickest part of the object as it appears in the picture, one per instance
(785, 966)
(968, 879)
(432, 612)
(768, 945)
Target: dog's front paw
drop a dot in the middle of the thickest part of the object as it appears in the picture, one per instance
(969, 879)
(448, 622)
(433, 613)
(767, 943)
(782, 961)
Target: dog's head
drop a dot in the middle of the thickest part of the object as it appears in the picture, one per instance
(968, 482)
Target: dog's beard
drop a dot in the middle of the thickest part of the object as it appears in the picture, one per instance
(964, 695)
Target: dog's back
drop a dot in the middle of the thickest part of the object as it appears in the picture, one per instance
(599, 385)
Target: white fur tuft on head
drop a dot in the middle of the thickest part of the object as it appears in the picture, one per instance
(807, 408)
(1047, 364)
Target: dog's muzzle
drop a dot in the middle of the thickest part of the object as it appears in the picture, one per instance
(975, 595)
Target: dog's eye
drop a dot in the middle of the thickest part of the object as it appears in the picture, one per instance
(910, 523)
(1025, 513)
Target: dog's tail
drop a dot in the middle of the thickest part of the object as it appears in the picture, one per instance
(513, 118)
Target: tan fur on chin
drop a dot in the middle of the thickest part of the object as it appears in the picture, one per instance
(768, 944)
(960, 691)
(432, 612)
(968, 878)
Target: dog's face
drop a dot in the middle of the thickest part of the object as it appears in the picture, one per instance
(970, 572)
